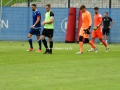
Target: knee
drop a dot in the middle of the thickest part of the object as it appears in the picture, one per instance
(29, 36)
(100, 39)
(43, 37)
(93, 38)
(50, 39)
(38, 37)
(80, 38)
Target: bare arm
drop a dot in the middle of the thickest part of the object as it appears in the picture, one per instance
(100, 24)
(100, 19)
(51, 21)
(38, 20)
(112, 23)
(38, 15)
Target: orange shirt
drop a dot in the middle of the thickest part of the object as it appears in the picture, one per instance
(86, 19)
(97, 19)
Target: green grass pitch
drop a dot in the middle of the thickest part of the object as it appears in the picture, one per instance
(63, 70)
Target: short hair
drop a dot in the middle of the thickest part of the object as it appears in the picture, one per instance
(106, 12)
(48, 5)
(82, 7)
(96, 8)
(33, 5)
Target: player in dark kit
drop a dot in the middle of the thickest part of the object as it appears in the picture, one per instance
(48, 29)
(106, 25)
(35, 28)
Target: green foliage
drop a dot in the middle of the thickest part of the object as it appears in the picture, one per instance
(4, 2)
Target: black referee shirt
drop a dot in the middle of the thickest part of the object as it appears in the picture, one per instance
(106, 21)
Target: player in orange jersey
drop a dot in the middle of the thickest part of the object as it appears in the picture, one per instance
(96, 33)
(85, 29)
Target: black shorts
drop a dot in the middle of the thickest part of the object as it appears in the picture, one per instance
(106, 31)
(48, 32)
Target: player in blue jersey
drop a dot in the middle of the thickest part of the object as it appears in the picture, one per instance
(35, 28)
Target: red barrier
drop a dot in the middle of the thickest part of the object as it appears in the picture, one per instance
(79, 25)
(71, 26)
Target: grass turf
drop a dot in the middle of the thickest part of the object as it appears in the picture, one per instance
(63, 70)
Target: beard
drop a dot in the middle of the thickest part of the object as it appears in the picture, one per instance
(33, 9)
(96, 12)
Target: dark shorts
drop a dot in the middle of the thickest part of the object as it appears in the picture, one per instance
(48, 32)
(106, 31)
(35, 32)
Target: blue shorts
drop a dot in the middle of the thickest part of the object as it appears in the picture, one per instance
(35, 31)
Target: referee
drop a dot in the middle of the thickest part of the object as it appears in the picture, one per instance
(107, 24)
(48, 29)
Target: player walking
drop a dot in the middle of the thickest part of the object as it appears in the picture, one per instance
(48, 29)
(96, 33)
(35, 28)
(85, 29)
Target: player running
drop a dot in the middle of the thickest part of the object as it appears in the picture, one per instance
(85, 29)
(96, 33)
(48, 29)
(35, 28)
(107, 24)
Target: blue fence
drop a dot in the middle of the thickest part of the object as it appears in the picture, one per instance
(16, 23)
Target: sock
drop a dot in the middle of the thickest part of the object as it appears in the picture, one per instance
(30, 42)
(104, 43)
(81, 46)
(40, 45)
(45, 43)
(51, 45)
(92, 45)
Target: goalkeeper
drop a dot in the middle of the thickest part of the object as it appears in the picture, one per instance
(97, 33)
(85, 29)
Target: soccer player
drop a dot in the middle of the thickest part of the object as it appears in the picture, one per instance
(35, 28)
(96, 33)
(107, 24)
(85, 29)
(48, 29)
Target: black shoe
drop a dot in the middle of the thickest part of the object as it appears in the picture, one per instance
(46, 52)
(50, 52)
